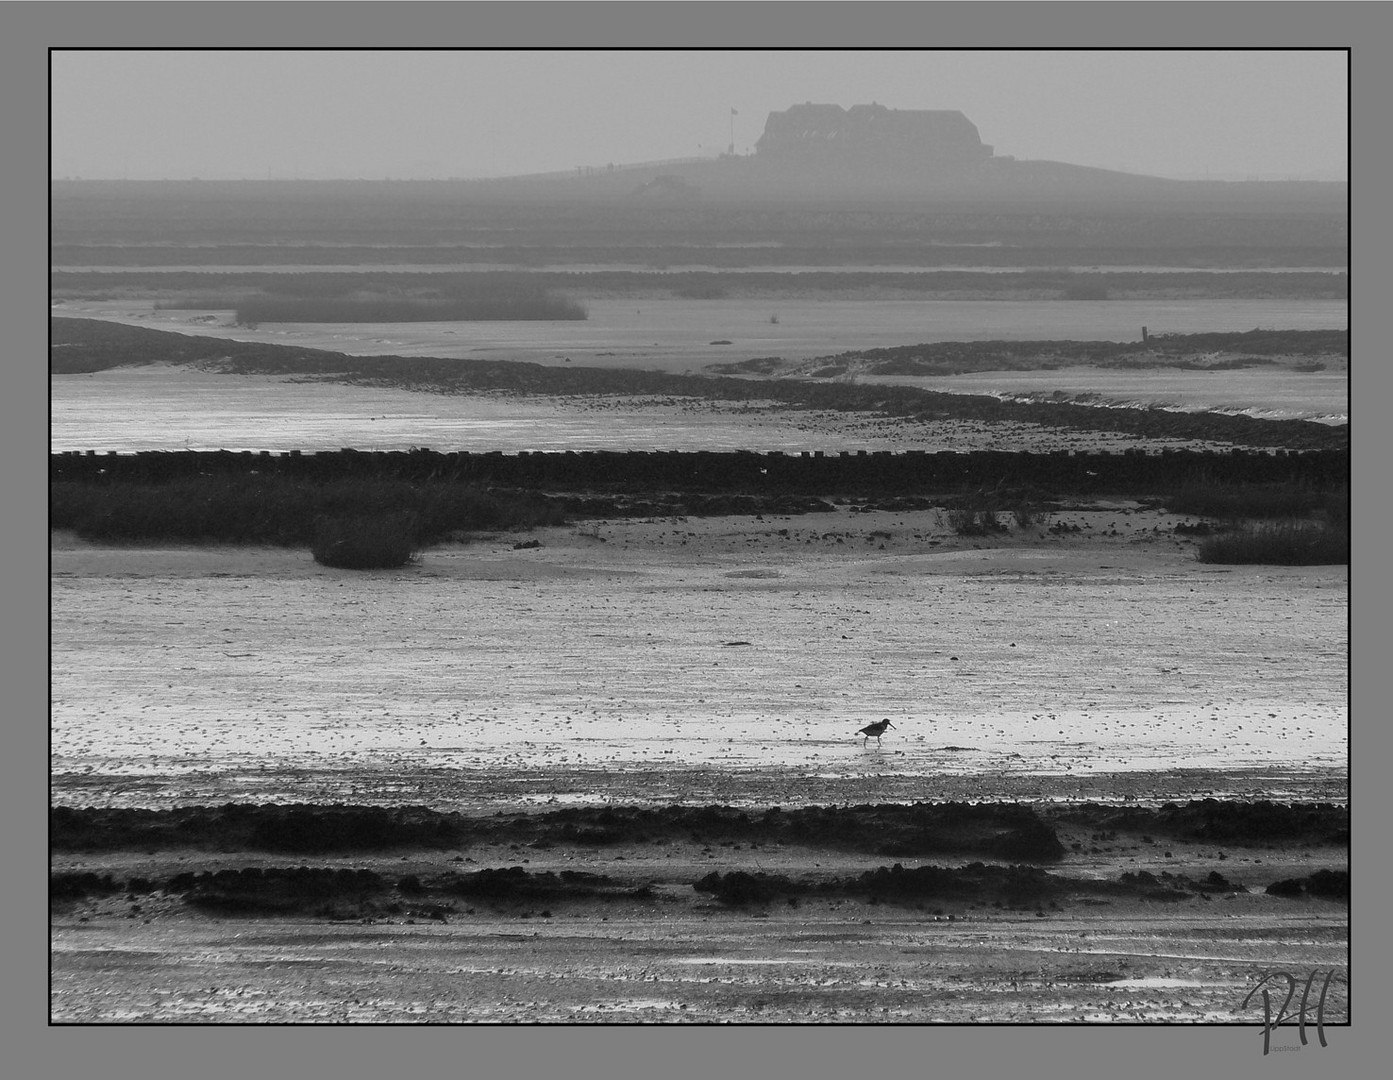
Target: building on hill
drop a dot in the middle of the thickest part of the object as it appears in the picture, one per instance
(871, 135)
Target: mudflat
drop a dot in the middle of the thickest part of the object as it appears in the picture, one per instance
(1085, 671)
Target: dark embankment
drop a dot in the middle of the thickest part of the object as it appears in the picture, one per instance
(1000, 831)
(1017, 839)
(1296, 505)
(284, 499)
(290, 511)
(340, 893)
(736, 472)
(85, 345)
(1330, 884)
(1191, 352)
(1219, 821)
(344, 893)
(1006, 831)
(1014, 886)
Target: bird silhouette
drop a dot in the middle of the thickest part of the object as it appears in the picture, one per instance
(877, 729)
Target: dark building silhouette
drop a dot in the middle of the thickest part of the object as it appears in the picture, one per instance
(871, 136)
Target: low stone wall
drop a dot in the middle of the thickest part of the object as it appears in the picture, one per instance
(814, 472)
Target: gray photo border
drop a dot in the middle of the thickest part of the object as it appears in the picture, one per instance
(34, 1048)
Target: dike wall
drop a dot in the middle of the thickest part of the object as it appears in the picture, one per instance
(811, 472)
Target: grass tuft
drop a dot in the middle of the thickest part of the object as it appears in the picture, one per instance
(1028, 514)
(1234, 501)
(976, 514)
(1285, 543)
(367, 543)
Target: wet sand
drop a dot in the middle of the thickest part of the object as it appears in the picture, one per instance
(685, 335)
(677, 958)
(166, 407)
(674, 662)
(690, 658)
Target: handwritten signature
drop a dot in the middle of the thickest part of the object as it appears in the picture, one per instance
(1301, 1015)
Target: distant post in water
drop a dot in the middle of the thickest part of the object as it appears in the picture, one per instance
(1143, 335)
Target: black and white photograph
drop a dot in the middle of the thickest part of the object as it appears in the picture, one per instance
(701, 536)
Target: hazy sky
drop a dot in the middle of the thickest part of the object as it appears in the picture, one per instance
(424, 114)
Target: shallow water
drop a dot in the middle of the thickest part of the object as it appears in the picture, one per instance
(555, 672)
(161, 408)
(610, 679)
(135, 409)
(678, 335)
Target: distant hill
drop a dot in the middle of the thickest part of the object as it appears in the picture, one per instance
(826, 186)
(814, 151)
(809, 153)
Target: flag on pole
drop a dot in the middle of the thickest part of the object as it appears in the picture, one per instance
(733, 112)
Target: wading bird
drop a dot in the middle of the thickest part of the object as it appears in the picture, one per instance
(877, 729)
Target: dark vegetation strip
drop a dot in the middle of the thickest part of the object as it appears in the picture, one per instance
(1017, 835)
(1273, 524)
(1011, 887)
(529, 305)
(379, 533)
(1258, 342)
(1015, 832)
(83, 345)
(346, 893)
(285, 512)
(1286, 543)
(291, 512)
(1200, 481)
(1001, 831)
(1232, 502)
(378, 510)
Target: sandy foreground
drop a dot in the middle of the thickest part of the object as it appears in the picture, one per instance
(690, 662)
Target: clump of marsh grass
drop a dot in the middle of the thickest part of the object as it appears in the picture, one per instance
(1279, 543)
(380, 542)
(1237, 501)
(1085, 289)
(1334, 508)
(974, 515)
(1028, 514)
(1274, 524)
